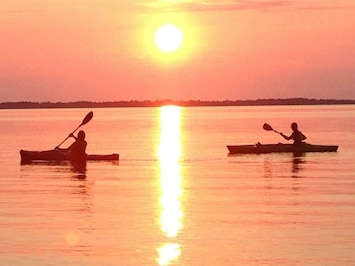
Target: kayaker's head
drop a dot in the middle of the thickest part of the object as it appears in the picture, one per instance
(81, 135)
(294, 126)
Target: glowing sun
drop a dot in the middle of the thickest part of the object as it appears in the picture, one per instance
(168, 38)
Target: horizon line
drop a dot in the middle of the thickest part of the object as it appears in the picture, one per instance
(182, 103)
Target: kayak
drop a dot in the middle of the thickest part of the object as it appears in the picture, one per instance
(57, 155)
(280, 148)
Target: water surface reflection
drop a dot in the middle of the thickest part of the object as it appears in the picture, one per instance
(298, 160)
(170, 183)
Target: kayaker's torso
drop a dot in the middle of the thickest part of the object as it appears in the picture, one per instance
(297, 137)
(77, 150)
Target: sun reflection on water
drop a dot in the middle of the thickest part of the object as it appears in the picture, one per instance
(170, 182)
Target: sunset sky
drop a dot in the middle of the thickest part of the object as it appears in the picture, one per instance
(104, 50)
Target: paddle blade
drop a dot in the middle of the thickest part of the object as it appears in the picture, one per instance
(87, 118)
(267, 127)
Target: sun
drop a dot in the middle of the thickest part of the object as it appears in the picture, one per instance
(168, 38)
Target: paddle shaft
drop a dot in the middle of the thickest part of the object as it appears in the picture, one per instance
(68, 136)
(86, 120)
(277, 131)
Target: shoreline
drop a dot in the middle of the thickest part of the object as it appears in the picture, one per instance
(158, 103)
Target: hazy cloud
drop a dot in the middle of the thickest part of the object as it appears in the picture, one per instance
(199, 5)
(196, 6)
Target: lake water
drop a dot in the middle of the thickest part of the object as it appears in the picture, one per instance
(176, 197)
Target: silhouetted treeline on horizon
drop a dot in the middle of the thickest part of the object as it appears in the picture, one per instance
(158, 103)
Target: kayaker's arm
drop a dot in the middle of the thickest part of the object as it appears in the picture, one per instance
(285, 137)
(71, 135)
(303, 137)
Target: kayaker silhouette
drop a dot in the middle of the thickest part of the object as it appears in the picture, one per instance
(297, 136)
(77, 150)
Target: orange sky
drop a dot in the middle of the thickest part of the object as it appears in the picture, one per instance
(102, 50)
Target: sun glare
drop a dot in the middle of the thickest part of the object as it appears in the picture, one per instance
(168, 38)
(169, 154)
(170, 183)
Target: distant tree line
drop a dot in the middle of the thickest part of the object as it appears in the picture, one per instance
(158, 103)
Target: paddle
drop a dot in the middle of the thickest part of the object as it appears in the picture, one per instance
(269, 128)
(86, 120)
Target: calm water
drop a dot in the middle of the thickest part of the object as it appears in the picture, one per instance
(176, 197)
